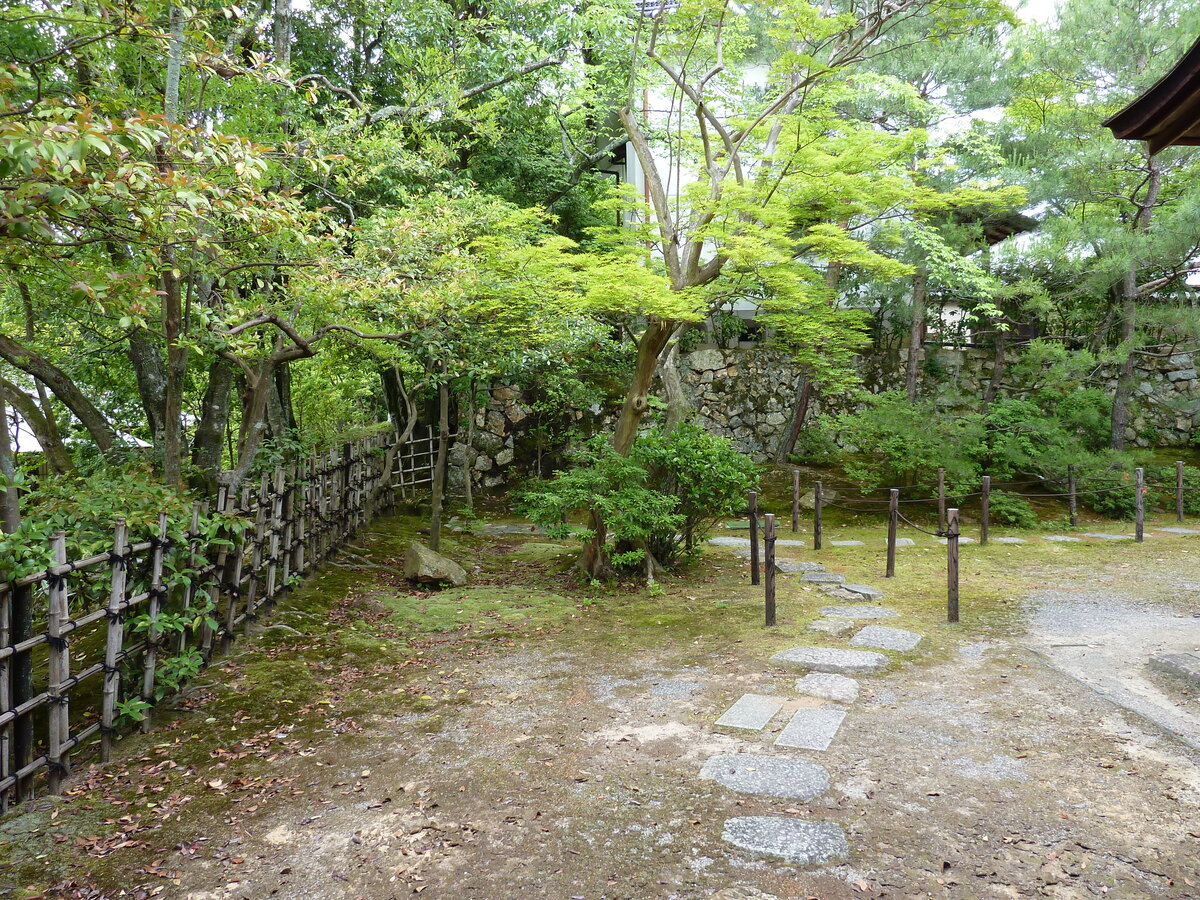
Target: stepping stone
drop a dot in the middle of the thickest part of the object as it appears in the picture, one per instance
(1185, 666)
(828, 686)
(905, 542)
(790, 542)
(886, 638)
(674, 689)
(1178, 530)
(846, 544)
(961, 540)
(827, 659)
(752, 712)
(823, 578)
(1008, 540)
(792, 840)
(1108, 537)
(726, 541)
(773, 776)
(832, 627)
(782, 565)
(865, 591)
(866, 611)
(1062, 538)
(811, 729)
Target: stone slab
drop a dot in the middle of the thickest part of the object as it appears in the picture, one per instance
(824, 578)
(865, 611)
(727, 541)
(832, 627)
(846, 544)
(811, 729)
(1008, 540)
(885, 638)
(1063, 539)
(828, 686)
(792, 840)
(864, 590)
(828, 659)
(752, 712)
(675, 689)
(1108, 537)
(1178, 530)
(784, 565)
(1185, 666)
(789, 542)
(493, 528)
(905, 542)
(961, 540)
(771, 776)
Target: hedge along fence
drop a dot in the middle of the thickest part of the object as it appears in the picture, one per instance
(88, 646)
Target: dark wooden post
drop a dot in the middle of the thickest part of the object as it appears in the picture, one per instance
(769, 561)
(952, 565)
(754, 537)
(893, 523)
(114, 639)
(985, 500)
(1179, 490)
(58, 760)
(1072, 508)
(941, 499)
(817, 516)
(796, 500)
(1139, 505)
(154, 604)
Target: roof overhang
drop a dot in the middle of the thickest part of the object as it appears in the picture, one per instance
(1167, 115)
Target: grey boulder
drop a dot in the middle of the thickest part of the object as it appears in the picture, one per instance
(425, 566)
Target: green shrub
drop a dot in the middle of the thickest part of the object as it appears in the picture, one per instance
(1011, 509)
(815, 446)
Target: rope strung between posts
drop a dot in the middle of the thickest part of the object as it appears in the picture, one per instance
(912, 524)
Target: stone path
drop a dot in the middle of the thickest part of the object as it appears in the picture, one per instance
(811, 729)
(752, 712)
(771, 776)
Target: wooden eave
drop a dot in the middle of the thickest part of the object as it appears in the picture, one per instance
(1168, 114)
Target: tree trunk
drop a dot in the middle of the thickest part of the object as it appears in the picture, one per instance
(151, 377)
(998, 366)
(469, 448)
(679, 410)
(10, 501)
(281, 33)
(916, 332)
(56, 453)
(649, 347)
(439, 469)
(799, 414)
(1124, 389)
(172, 444)
(214, 419)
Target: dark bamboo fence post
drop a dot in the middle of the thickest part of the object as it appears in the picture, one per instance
(21, 686)
(1179, 490)
(941, 499)
(1139, 505)
(287, 548)
(5, 695)
(817, 500)
(153, 605)
(114, 639)
(985, 502)
(795, 500)
(58, 760)
(769, 562)
(754, 537)
(893, 524)
(952, 565)
(1072, 508)
(215, 585)
(273, 535)
(189, 590)
(256, 552)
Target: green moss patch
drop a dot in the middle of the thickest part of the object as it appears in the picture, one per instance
(483, 610)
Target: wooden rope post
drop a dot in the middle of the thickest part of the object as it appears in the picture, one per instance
(58, 760)
(817, 500)
(1139, 505)
(153, 605)
(1072, 507)
(1179, 490)
(952, 565)
(769, 560)
(754, 537)
(893, 525)
(114, 639)
(795, 500)
(941, 499)
(985, 502)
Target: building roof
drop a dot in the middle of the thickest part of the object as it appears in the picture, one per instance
(1168, 114)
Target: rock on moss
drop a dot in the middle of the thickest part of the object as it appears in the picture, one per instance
(424, 566)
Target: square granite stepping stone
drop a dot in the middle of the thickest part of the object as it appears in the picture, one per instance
(905, 542)
(823, 578)
(785, 565)
(828, 686)
(863, 590)
(827, 659)
(1063, 538)
(752, 712)
(811, 729)
(789, 542)
(886, 638)
(1008, 540)
(727, 541)
(962, 540)
(772, 776)
(832, 627)
(1108, 537)
(846, 544)
(792, 840)
(1178, 530)
(865, 611)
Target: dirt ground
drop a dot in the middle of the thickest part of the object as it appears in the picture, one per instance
(557, 757)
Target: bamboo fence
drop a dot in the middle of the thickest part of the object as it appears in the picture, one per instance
(66, 671)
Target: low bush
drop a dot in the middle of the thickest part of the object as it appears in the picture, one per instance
(1010, 509)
